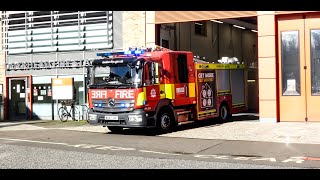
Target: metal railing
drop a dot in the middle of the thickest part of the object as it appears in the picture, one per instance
(84, 109)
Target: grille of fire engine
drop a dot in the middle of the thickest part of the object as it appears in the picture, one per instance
(118, 106)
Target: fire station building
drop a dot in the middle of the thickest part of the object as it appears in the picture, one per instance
(281, 51)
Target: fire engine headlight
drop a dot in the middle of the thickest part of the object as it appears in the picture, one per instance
(135, 118)
(92, 117)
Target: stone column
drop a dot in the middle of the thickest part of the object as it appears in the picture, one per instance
(2, 67)
(134, 28)
(150, 28)
(267, 66)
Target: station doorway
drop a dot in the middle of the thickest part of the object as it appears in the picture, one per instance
(18, 108)
(299, 67)
(214, 39)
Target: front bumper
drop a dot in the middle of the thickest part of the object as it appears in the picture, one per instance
(122, 119)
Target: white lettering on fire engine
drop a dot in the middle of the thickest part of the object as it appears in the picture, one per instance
(180, 90)
(120, 94)
(124, 94)
(205, 75)
(99, 94)
(208, 75)
(200, 75)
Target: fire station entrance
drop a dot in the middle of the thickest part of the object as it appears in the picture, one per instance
(299, 67)
(18, 99)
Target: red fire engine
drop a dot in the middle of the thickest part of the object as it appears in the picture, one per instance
(160, 88)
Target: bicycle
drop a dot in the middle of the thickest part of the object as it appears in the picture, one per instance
(64, 113)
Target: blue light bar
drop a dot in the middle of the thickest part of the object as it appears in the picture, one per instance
(128, 52)
(110, 53)
(135, 52)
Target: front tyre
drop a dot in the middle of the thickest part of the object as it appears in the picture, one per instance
(165, 121)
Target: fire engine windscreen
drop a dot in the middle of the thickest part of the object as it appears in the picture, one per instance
(121, 74)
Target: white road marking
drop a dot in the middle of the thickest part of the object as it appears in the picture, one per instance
(155, 152)
(114, 148)
(298, 160)
(294, 159)
(204, 156)
(25, 140)
(222, 157)
(243, 158)
(84, 145)
(87, 146)
(265, 159)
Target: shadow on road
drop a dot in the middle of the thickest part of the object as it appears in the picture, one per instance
(203, 123)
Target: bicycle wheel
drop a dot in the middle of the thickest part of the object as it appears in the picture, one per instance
(76, 114)
(64, 117)
(63, 114)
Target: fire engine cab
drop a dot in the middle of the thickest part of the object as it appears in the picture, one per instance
(160, 88)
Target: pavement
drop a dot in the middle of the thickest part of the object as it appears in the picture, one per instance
(246, 127)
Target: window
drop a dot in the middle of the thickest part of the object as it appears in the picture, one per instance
(165, 43)
(42, 93)
(147, 74)
(31, 32)
(151, 73)
(182, 68)
(67, 18)
(96, 17)
(290, 66)
(315, 62)
(200, 28)
(41, 19)
(157, 76)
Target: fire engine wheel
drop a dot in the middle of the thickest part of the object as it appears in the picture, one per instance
(165, 121)
(224, 113)
(115, 129)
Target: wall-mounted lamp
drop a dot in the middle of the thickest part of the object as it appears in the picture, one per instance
(254, 31)
(200, 24)
(216, 21)
(239, 27)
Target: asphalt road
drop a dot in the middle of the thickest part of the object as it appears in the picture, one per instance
(53, 148)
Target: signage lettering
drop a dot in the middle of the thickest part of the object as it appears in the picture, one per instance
(48, 65)
(118, 94)
(99, 94)
(124, 94)
(112, 62)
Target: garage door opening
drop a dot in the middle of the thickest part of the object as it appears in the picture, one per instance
(214, 39)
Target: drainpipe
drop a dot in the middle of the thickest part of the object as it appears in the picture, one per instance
(191, 36)
(175, 36)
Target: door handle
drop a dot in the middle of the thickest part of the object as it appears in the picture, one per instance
(161, 92)
(29, 97)
(186, 89)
